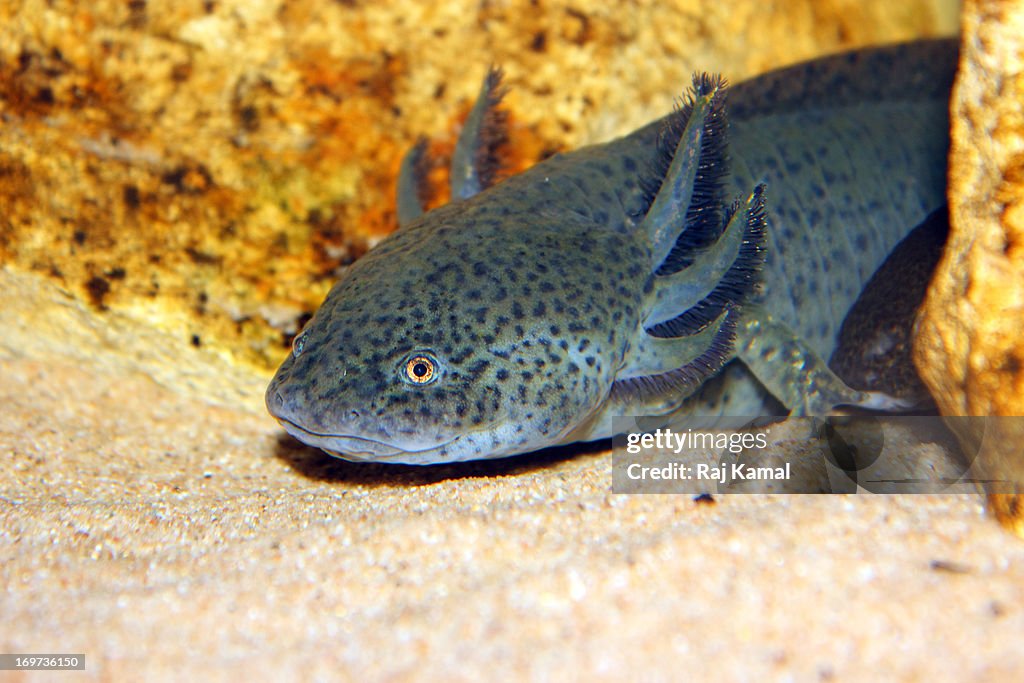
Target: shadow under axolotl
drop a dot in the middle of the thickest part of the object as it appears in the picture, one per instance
(314, 463)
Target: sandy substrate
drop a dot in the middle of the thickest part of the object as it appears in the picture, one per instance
(168, 539)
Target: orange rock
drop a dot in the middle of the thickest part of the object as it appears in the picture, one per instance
(969, 348)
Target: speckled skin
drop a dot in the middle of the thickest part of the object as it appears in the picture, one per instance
(853, 149)
(528, 305)
(531, 294)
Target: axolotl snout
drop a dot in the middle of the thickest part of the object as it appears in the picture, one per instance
(651, 275)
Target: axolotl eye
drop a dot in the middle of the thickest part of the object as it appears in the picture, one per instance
(420, 368)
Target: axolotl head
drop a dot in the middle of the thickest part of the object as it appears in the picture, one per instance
(435, 348)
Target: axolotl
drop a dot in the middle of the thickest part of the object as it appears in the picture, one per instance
(699, 266)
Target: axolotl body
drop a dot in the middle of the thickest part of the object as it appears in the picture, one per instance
(700, 266)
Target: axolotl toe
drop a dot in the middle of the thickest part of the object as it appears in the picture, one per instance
(701, 265)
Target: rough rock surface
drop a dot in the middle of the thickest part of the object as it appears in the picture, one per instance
(969, 348)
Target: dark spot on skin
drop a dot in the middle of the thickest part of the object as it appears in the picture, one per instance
(704, 499)
(79, 237)
(196, 341)
(539, 310)
(502, 374)
(479, 366)
(459, 357)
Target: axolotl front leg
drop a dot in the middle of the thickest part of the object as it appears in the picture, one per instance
(794, 373)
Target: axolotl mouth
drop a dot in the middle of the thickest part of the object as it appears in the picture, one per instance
(360, 449)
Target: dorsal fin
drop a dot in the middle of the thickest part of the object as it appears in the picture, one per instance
(475, 162)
